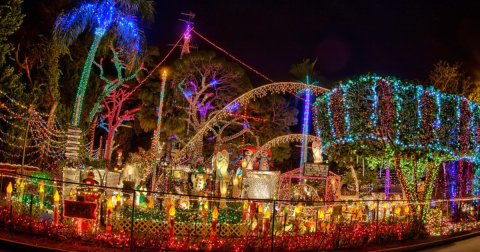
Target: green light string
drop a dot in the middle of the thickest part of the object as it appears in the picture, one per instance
(82, 87)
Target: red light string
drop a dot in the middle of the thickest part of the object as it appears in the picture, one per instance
(231, 56)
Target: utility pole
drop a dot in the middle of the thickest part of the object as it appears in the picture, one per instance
(30, 113)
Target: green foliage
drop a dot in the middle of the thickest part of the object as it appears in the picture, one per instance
(11, 18)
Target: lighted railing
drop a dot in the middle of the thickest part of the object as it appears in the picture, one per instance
(107, 216)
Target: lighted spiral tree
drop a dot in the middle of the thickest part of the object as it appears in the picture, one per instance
(397, 124)
(116, 18)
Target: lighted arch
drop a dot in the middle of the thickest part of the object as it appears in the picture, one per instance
(273, 88)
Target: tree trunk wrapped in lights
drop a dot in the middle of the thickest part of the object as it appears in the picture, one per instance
(114, 116)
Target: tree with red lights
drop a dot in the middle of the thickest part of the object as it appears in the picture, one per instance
(115, 116)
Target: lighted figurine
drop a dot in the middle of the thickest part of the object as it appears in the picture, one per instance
(184, 202)
(247, 162)
(265, 156)
(143, 192)
(222, 161)
(130, 173)
(317, 152)
(90, 180)
(199, 180)
(119, 159)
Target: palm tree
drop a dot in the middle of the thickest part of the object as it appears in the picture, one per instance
(116, 17)
(304, 72)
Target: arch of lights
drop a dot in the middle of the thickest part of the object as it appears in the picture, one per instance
(262, 91)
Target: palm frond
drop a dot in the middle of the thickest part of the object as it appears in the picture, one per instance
(144, 8)
(130, 37)
(70, 25)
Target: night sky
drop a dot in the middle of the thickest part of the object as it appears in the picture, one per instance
(400, 38)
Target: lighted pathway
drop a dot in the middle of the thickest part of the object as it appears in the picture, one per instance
(468, 245)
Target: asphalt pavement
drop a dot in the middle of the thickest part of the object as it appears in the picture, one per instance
(468, 245)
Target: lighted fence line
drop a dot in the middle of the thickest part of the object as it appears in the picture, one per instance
(59, 185)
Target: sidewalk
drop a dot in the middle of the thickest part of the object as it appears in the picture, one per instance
(26, 242)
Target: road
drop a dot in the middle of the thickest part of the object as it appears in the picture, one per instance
(468, 245)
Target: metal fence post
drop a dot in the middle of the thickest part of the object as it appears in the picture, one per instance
(376, 228)
(273, 224)
(133, 212)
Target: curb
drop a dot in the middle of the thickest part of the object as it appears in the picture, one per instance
(415, 247)
(20, 246)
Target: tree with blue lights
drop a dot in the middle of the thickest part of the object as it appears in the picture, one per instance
(103, 17)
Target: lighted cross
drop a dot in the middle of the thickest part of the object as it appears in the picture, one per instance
(245, 125)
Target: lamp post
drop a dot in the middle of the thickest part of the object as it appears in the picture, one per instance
(157, 131)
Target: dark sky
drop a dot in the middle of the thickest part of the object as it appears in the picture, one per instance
(400, 38)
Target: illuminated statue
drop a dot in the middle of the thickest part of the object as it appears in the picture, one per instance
(130, 173)
(222, 161)
(247, 161)
(199, 180)
(317, 152)
(265, 156)
(119, 159)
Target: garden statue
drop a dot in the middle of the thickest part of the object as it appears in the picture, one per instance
(265, 156)
(317, 152)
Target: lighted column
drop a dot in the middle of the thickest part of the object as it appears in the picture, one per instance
(22, 190)
(214, 223)
(109, 216)
(259, 219)
(235, 187)
(320, 218)
(266, 224)
(223, 190)
(119, 202)
(245, 211)
(172, 222)
(9, 194)
(71, 194)
(205, 212)
(56, 199)
(297, 217)
(41, 191)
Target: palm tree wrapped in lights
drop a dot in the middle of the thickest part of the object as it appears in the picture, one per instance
(114, 17)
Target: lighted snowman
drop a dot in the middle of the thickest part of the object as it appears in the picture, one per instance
(198, 180)
(264, 163)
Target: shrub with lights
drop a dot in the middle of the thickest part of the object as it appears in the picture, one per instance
(396, 124)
